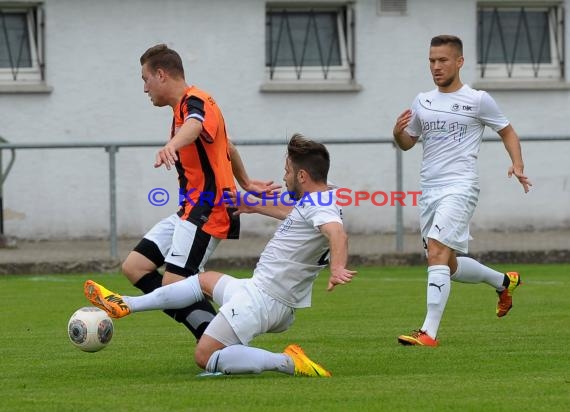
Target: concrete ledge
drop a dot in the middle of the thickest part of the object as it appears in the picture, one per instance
(388, 259)
(283, 86)
(514, 85)
(493, 257)
(17, 88)
(44, 268)
(528, 256)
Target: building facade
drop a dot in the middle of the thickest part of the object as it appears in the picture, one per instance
(70, 73)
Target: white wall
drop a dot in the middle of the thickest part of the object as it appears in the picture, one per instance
(93, 50)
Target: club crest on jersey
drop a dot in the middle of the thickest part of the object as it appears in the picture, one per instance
(286, 225)
(466, 107)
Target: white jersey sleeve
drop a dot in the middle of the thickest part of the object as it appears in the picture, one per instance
(490, 114)
(414, 129)
(318, 215)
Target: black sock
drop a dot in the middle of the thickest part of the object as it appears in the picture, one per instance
(149, 282)
(506, 281)
(195, 317)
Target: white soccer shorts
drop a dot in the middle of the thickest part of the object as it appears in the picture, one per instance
(182, 244)
(250, 313)
(445, 213)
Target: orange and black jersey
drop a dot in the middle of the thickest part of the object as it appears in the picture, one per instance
(204, 167)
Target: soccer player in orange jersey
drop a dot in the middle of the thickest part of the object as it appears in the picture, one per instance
(206, 162)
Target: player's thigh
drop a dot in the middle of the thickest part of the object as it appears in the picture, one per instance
(161, 236)
(451, 219)
(220, 287)
(220, 333)
(281, 317)
(250, 312)
(190, 249)
(427, 205)
(149, 253)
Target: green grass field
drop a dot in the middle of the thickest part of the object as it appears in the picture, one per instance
(517, 363)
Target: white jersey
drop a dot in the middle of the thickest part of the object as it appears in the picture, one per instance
(298, 251)
(451, 126)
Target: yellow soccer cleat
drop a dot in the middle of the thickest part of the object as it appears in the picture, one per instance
(506, 296)
(110, 302)
(303, 365)
(418, 338)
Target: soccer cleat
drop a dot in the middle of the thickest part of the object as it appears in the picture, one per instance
(110, 302)
(506, 296)
(303, 365)
(209, 374)
(418, 338)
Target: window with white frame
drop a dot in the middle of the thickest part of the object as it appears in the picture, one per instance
(21, 44)
(309, 44)
(521, 42)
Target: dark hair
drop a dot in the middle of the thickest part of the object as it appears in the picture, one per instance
(161, 57)
(310, 156)
(448, 39)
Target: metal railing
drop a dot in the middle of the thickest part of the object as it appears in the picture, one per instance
(113, 147)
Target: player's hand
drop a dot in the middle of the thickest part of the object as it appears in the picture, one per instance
(257, 187)
(340, 276)
(238, 204)
(166, 156)
(523, 180)
(402, 122)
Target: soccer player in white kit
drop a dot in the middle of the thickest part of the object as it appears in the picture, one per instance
(451, 120)
(310, 236)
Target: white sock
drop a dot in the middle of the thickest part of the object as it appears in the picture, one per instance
(240, 359)
(471, 271)
(174, 296)
(439, 285)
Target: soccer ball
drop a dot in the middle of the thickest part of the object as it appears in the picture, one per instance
(90, 329)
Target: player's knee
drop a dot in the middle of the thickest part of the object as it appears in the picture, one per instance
(438, 254)
(128, 269)
(201, 357)
(434, 256)
(133, 271)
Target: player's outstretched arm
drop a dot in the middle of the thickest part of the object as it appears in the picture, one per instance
(338, 242)
(187, 134)
(270, 205)
(254, 186)
(513, 146)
